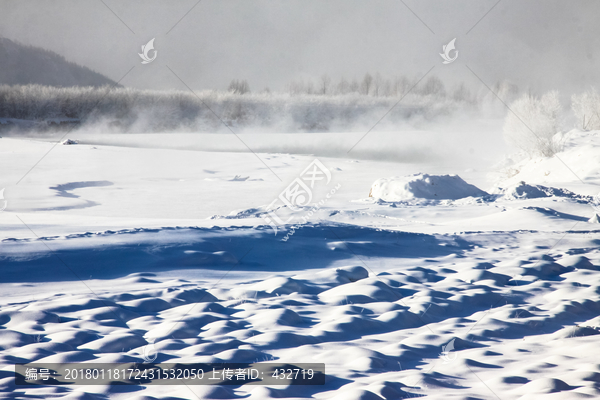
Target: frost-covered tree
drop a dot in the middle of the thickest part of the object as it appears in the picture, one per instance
(387, 88)
(296, 88)
(325, 84)
(401, 85)
(342, 87)
(462, 93)
(432, 86)
(586, 107)
(239, 86)
(367, 83)
(354, 86)
(378, 83)
(506, 90)
(532, 123)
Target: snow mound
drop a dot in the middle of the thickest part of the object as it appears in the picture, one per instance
(360, 292)
(522, 190)
(424, 186)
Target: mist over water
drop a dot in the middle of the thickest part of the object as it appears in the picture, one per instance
(473, 144)
(417, 128)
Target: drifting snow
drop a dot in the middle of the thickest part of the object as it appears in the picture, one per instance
(423, 186)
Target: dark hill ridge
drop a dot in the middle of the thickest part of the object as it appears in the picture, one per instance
(23, 65)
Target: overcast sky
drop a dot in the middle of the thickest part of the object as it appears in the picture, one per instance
(545, 44)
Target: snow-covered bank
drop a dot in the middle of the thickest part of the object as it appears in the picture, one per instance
(577, 162)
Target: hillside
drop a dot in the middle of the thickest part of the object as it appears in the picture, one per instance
(22, 65)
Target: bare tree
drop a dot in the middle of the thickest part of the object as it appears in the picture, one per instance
(433, 86)
(343, 87)
(387, 88)
(239, 86)
(325, 84)
(366, 84)
(507, 91)
(403, 85)
(462, 93)
(377, 84)
(354, 86)
(296, 87)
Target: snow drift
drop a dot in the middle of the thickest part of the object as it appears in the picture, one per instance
(424, 186)
(577, 161)
(524, 190)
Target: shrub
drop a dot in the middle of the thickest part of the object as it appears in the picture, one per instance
(586, 107)
(532, 122)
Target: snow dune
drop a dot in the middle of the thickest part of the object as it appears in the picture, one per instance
(514, 319)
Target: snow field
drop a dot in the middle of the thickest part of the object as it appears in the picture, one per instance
(106, 250)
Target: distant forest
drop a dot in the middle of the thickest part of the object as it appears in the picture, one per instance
(41, 90)
(134, 110)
